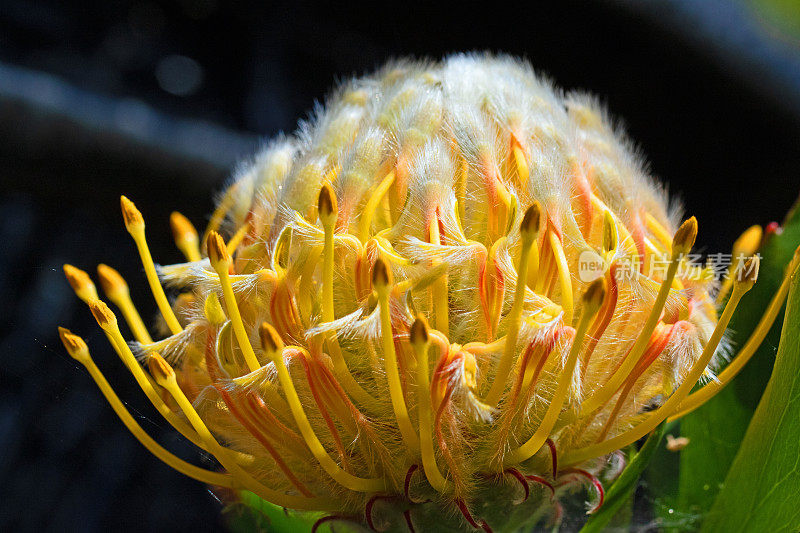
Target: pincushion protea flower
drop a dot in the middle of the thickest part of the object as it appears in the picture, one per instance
(402, 330)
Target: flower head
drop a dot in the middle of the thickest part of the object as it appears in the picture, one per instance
(454, 281)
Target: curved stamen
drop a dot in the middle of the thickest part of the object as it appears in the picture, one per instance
(407, 482)
(602, 320)
(322, 405)
(564, 279)
(668, 408)
(134, 223)
(654, 349)
(273, 347)
(682, 244)
(699, 397)
(592, 300)
(117, 291)
(221, 262)
(529, 230)
(420, 340)
(80, 352)
(365, 222)
(381, 280)
(215, 374)
(165, 376)
(108, 322)
(328, 214)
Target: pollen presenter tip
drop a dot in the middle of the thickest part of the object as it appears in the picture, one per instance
(610, 237)
(217, 251)
(75, 346)
(749, 241)
(182, 229)
(110, 279)
(80, 282)
(326, 204)
(529, 227)
(418, 334)
(381, 275)
(593, 297)
(748, 273)
(685, 236)
(270, 340)
(160, 370)
(103, 314)
(131, 216)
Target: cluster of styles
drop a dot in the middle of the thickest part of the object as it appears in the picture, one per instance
(395, 332)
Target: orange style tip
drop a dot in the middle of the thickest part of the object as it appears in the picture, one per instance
(685, 236)
(160, 369)
(78, 279)
(217, 252)
(419, 334)
(593, 297)
(529, 227)
(213, 310)
(327, 206)
(111, 280)
(747, 275)
(132, 216)
(270, 340)
(749, 241)
(75, 346)
(182, 228)
(102, 313)
(381, 275)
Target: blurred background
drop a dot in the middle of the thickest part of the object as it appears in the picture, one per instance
(159, 100)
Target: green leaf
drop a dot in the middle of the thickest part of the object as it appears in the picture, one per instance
(661, 482)
(253, 514)
(762, 488)
(716, 429)
(623, 488)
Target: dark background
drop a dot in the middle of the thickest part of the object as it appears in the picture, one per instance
(159, 100)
